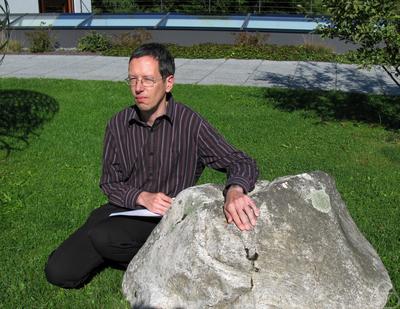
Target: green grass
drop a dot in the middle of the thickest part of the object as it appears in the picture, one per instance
(50, 167)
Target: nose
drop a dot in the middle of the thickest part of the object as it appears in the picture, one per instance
(139, 86)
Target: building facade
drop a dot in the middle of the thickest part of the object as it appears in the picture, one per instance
(50, 6)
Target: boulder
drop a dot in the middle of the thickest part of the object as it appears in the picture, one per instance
(305, 252)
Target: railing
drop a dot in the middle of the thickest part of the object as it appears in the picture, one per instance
(211, 7)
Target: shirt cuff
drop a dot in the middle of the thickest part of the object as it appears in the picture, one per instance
(131, 197)
(237, 181)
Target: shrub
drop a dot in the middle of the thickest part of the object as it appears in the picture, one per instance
(316, 51)
(13, 46)
(41, 40)
(250, 39)
(94, 42)
(317, 48)
(131, 40)
(266, 51)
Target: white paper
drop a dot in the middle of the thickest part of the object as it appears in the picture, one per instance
(136, 213)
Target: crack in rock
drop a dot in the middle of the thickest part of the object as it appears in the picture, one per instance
(181, 220)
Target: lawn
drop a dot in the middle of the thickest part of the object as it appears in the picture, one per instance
(51, 142)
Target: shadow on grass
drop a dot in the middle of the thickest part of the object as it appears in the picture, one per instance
(392, 153)
(335, 105)
(23, 112)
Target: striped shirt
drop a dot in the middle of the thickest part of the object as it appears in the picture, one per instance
(168, 156)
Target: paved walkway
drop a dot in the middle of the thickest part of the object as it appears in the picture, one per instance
(261, 73)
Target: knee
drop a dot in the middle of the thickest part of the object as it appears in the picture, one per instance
(99, 236)
(58, 274)
(111, 244)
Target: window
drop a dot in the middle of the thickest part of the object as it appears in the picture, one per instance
(56, 6)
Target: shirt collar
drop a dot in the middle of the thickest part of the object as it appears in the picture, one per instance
(169, 115)
(170, 108)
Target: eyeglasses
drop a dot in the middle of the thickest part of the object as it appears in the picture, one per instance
(147, 82)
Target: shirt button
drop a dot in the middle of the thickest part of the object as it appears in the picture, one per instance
(151, 153)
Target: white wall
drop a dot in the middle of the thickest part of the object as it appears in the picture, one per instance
(86, 6)
(23, 6)
(32, 6)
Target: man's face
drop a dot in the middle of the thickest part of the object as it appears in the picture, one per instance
(149, 98)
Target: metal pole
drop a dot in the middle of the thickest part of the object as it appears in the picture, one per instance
(209, 6)
(4, 30)
(259, 6)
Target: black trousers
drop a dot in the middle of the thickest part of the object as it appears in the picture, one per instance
(102, 241)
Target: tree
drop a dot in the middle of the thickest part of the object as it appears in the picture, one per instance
(374, 25)
(4, 27)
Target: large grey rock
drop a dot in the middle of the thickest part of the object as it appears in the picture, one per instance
(305, 252)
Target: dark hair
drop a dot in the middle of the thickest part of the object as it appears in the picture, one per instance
(166, 63)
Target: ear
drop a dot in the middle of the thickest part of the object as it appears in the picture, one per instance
(170, 80)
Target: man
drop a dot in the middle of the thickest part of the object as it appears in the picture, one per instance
(152, 151)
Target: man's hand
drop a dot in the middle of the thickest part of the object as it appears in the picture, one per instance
(240, 208)
(158, 203)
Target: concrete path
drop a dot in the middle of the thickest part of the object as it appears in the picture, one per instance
(260, 73)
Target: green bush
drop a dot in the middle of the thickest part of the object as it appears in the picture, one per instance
(13, 46)
(131, 40)
(246, 48)
(94, 42)
(251, 39)
(41, 40)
